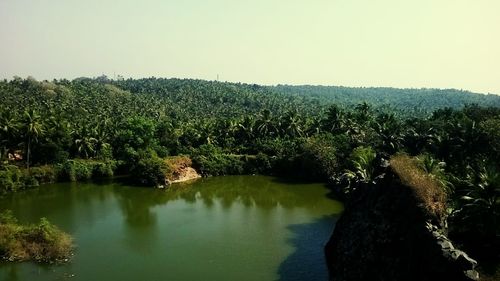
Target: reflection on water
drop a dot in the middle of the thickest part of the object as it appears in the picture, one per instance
(302, 264)
(223, 228)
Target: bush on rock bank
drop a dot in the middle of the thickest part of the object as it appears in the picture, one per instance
(42, 242)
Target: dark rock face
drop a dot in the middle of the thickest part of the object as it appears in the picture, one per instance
(384, 234)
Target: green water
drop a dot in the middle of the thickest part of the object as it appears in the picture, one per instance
(223, 228)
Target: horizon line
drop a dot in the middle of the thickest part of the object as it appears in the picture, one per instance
(247, 83)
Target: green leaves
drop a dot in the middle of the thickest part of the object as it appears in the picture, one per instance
(33, 126)
(361, 160)
(361, 169)
(436, 169)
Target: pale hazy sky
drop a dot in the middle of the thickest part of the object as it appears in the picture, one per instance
(398, 43)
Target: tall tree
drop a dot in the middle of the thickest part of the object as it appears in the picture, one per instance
(33, 129)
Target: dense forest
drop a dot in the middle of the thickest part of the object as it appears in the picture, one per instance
(417, 100)
(89, 128)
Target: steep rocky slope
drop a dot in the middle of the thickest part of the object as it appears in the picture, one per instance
(396, 230)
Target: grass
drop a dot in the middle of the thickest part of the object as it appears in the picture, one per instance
(426, 188)
(42, 242)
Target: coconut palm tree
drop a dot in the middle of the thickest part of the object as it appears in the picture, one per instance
(291, 124)
(9, 132)
(265, 124)
(390, 132)
(246, 127)
(9, 125)
(86, 146)
(335, 121)
(478, 211)
(33, 128)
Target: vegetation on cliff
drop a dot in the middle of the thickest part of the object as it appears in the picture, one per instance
(393, 229)
(428, 191)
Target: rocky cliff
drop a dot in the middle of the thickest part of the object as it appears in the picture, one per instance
(179, 170)
(395, 230)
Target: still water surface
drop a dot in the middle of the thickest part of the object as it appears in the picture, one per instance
(221, 228)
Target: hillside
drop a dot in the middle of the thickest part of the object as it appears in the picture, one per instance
(402, 99)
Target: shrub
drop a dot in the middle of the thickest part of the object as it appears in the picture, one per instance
(361, 170)
(11, 178)
(29, 181)
(263, 163)
(257, 164)
(278, 147)
(43, 174)
(319, 157)
(103, 169)
(209, 160)
(43, 242)
(146, 168)
(105, 153)
(75, 170)
(80, 169)
(362, 163)
(6, 183)
(161, 151)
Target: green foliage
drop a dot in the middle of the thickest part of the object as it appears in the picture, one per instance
(104, 169)
(319, 157)
(43, 174)
(360, 170)
(413, 101)
(436, 169)
(262, 163)
(478, 209)
(43, 242)
(233, 128)
(361, 162)
(137, 133)
(11, 178)
(147, 168)
(82, 169)
(7, 217)
(30, 181)
(105, 153)
(491, 129)
(210, 160)
(76, 170)
(275, 146)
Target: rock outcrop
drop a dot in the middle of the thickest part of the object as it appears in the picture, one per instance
(182, 175)
(179, 170)
(394, 230)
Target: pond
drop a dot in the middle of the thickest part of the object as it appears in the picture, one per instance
(221, 228)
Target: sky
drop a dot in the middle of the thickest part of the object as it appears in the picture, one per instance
(392, 43)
